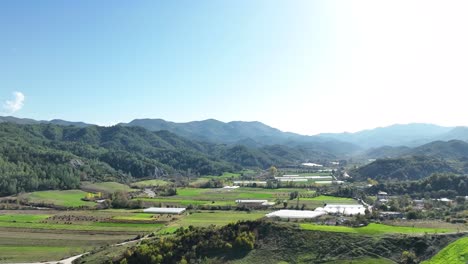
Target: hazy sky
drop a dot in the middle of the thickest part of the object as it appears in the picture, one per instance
(301, 66)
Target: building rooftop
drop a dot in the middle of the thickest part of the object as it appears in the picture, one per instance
(161, 210)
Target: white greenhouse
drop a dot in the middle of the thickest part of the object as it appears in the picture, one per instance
(161, 210)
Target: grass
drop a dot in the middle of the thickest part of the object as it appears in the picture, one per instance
(223, 197)
(69, 198)
(20, 218)
(207, 218)
(185, 202)
(374, 229)
(454, 253)
(149, 183)
(91, 226)
(36, 253)
(106, 187)
(330, 199)
(39, 221)
(35, 235)
(134, 217)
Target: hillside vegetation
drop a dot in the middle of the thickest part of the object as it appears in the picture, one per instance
(455, 253)
(46, 156)
(267, 242)
(404, 168)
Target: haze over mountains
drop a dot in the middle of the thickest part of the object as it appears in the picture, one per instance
(211, 130)
(257, 134)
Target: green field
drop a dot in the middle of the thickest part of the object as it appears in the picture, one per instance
(331, 199)
(375, 229)
(69, 198)
(106, 187)
(206, 218)
(150, 183)
(223, 197)
(134, 217)
(455, 253)
(11, 222)
(37, 253)
(37, 235)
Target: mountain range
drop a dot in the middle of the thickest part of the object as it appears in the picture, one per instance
(257, 134)
(59, 154)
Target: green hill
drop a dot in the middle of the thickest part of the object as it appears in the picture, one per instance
(269, 242)
(46, 156)
(404, 168)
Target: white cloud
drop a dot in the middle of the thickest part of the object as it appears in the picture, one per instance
(12, 106)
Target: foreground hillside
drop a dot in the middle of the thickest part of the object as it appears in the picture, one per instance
(267, 242)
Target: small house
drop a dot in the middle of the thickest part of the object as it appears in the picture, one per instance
(382, 196)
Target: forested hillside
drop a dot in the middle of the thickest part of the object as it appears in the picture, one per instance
(438, 185)
(267, 242)
(47, 156)
(404, 168)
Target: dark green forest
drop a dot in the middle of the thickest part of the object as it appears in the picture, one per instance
(438, 185)
(47, 156)
(404, 168)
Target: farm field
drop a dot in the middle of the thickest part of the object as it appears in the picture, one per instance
(221, 197)
(40, 235)
(206, 218)
(149, 183)
(427, 224)
(69, 198)
(454, 253)
(375, 229)
(32, 235)
(320, 201)
(106, 187)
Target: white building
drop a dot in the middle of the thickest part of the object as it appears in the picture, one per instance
(161, 210)
(344, 209)
(382, 196)
(255, 202)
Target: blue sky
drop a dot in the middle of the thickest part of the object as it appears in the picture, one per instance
(302, 66)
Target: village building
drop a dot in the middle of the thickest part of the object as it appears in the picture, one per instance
(343, 209)
(382, 196)
(391, 215)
